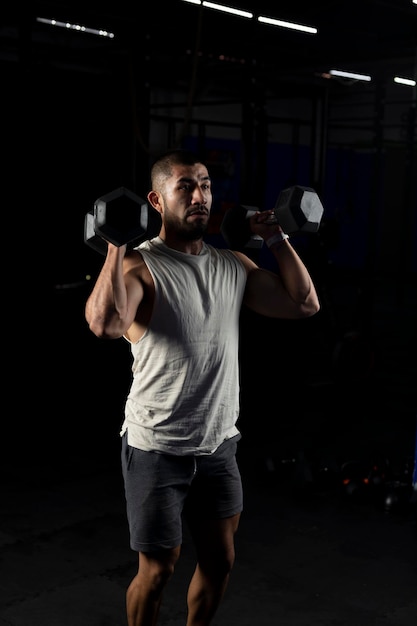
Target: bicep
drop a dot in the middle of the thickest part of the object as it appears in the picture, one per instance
(134, 290)
(264, 291)
(138, 300)
(266, 294)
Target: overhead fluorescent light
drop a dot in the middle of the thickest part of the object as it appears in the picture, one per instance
(405, 81)
(221, 7)
(261, 18)
(225, 9)
(78, 27)
(350, 75)
(291, 25)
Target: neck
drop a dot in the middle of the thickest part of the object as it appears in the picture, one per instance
(188, 247)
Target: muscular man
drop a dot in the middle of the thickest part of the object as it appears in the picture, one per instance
(177, 301)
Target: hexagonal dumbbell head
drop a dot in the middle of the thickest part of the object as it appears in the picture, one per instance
(90, 236)
(122, 217)
(299, 209)
(235, 228)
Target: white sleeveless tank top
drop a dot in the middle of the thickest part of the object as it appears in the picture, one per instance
(184, 396)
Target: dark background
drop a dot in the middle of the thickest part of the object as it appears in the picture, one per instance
(328, 453)
(83, 115)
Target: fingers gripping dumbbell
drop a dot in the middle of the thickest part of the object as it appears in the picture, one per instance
(120, 217)
(297, 209)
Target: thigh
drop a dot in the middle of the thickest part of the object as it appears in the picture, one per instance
(214, 541)
(216, 490)
(156, 486)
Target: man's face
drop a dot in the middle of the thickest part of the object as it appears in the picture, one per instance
(186, 201)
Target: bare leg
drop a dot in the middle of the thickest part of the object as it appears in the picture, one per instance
(214, 541)
(144, 594)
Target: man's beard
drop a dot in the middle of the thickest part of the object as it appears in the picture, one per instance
(193, 232)
(186, 231)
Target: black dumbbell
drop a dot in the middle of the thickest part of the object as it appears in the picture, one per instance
(298, 209)
(121, 217)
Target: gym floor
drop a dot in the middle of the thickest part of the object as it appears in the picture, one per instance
(311, 550)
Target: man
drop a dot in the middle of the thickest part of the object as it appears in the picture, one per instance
(177, 301)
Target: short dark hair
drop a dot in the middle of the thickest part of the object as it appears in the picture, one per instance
(162, 166)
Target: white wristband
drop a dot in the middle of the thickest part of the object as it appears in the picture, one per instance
(277, 238)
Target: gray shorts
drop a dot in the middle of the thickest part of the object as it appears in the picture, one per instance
(160, 488)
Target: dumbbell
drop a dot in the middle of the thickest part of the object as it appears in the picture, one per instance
(121, 217)
(298, 209)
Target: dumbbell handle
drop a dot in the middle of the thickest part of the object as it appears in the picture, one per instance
(272, 219)
(297, 209)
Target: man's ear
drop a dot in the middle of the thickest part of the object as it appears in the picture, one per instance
(153, 199)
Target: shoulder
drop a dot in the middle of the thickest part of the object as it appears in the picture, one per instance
(133, 258)
(230, 257)
(134, 265)
(247, 263)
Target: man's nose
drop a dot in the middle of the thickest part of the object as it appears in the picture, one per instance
(199, 197)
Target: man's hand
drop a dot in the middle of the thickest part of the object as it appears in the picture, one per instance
(265, 224)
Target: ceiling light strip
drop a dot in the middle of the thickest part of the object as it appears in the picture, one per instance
(352, 75)
(226, 9)
(77, 27)
(263, 19)
(405, 81)
(290, 25)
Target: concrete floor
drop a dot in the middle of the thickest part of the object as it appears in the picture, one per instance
(305, 556)
(310, 551)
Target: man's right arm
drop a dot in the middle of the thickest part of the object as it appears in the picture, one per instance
(112, 305)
